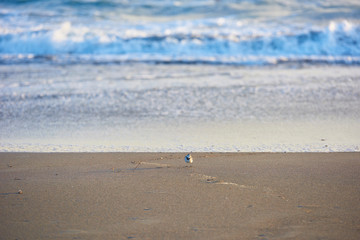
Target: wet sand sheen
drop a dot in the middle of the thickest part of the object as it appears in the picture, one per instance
(158, 195)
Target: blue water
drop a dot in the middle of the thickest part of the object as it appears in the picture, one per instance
(252, 32)
(205, 75)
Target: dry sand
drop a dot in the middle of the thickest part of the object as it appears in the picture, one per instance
(159, 196)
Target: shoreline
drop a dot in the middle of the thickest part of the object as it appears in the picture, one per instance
(177, 108)
(158, 195)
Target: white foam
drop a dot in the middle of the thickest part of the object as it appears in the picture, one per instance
(179, 108)
(184, 41)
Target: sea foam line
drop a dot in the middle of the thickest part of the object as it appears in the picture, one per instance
(29, 147)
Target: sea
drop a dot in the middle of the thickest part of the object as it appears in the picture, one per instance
(179, 76)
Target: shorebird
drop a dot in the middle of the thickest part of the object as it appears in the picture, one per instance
(188, 158)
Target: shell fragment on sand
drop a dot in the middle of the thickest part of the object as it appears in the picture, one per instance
(188, 158)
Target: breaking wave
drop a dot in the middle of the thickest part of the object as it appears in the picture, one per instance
(216, 41)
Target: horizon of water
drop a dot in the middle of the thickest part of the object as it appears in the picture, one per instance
(206, 75)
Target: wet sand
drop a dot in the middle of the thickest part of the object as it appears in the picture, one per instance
(159, 196)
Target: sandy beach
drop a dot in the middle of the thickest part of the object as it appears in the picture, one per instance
(159, 196)
(100, 101)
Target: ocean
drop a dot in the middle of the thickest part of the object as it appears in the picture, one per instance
(204, 75)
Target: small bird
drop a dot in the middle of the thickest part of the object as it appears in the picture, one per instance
(188, 158)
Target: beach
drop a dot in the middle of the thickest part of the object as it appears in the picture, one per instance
(100, 101)
(159, 196)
